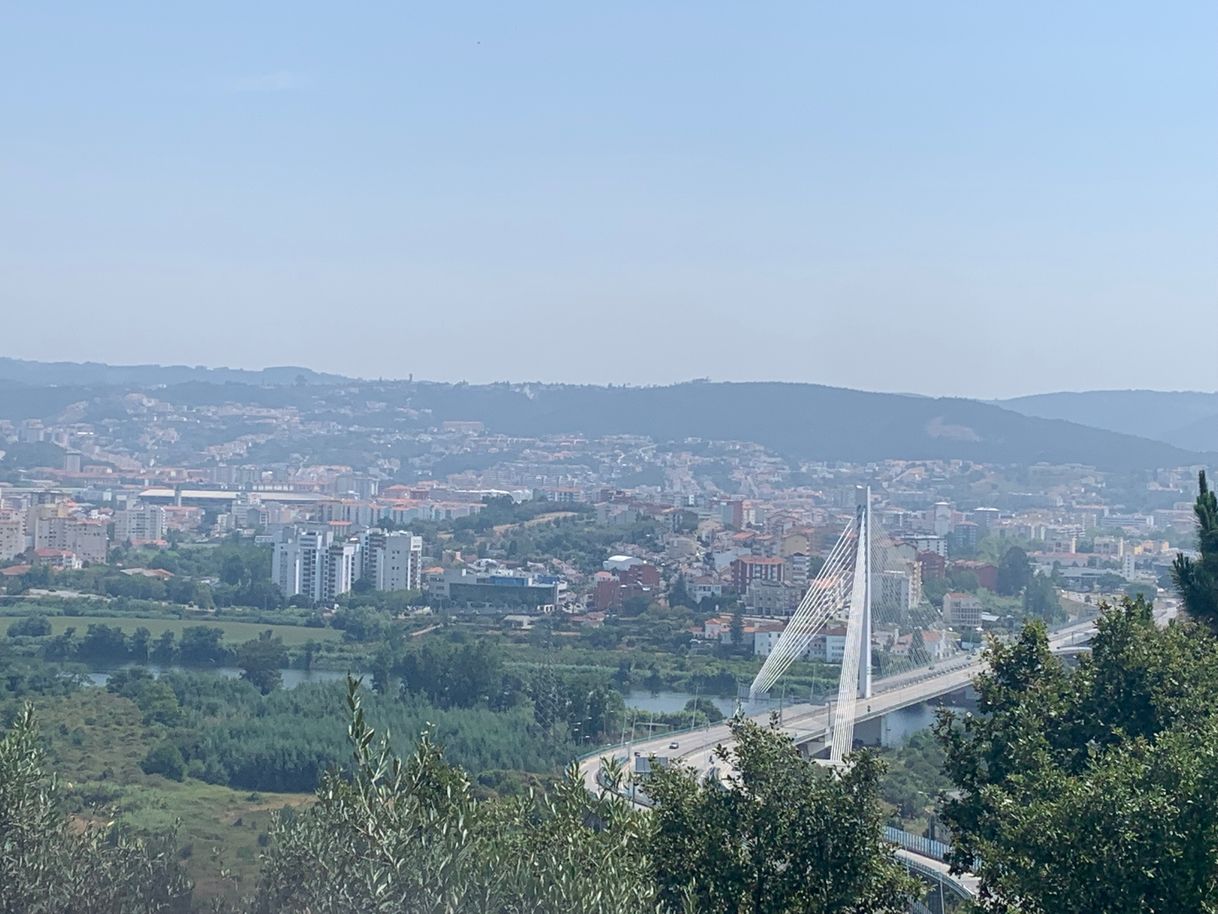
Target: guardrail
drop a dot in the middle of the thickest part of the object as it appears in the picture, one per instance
(917, 844)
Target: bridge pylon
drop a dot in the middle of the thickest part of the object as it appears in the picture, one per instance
(843, 586)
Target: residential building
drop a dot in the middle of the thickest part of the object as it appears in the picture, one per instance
(299, 560)
(392, 560)
(87, 537)
(703, 588)
(772, 598)
(340, 570)
(749, 568)
(140, 524)
(12, 537)
(933, 566)
(798, 569)
(895, 593)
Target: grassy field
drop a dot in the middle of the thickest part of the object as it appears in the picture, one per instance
(234, 632)
(95, 742)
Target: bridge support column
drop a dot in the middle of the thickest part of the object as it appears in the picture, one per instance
(870, 732)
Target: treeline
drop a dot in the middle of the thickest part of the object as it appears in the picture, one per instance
(235, 573)
(201, 645)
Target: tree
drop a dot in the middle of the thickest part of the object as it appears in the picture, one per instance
(1197, 579)
(165, 650)
(736, 631)
(37, 626)
(232, 570)
(1077, 791)
(678, 595)
(140, 642)
(164, 759)
(1014, 572)
(1041, 600)
(706, 708)
(201, 644)
(784, 837)
(261, 660)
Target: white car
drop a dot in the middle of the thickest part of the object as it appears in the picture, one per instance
(674, 745)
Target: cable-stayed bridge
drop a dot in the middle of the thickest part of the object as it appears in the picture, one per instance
(844, 589)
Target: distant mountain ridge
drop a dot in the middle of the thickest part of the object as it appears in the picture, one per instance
(1185, 418)
(807, 421)
(56, 374)
(799, 421)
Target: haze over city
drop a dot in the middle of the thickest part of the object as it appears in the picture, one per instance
(946, 198)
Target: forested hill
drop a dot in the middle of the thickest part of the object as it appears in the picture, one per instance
(800, 420)
(1184, 418)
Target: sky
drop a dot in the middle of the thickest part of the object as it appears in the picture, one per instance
(945, 197)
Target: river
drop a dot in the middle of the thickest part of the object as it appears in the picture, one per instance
(291, 677)
(898, 726)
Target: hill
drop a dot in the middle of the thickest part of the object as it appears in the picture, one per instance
(22, 371)
(807, 421)
(1186, 419)
(798, 421)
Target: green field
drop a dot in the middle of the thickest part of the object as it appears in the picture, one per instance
(234, 632)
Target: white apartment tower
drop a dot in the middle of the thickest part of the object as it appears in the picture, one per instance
(313, 564)
(141, 524)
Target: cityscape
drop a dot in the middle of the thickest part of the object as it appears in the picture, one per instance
(634, 458)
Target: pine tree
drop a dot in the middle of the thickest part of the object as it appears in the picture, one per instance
(1197, 579)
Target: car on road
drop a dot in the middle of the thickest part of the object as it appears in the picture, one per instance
(674, 745)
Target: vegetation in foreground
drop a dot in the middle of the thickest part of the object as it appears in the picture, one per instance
(412, 836)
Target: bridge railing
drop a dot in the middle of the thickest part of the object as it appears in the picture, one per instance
(918, 844)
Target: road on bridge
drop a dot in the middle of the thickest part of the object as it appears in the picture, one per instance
(808, 722)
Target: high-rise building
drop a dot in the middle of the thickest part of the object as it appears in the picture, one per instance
(313, 563)
(299, 560)
(340, 570)
(392, 561)
(140, 524)
(12, 537)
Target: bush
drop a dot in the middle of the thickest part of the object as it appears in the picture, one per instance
(164, 759)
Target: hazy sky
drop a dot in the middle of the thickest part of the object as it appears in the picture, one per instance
(979, 198)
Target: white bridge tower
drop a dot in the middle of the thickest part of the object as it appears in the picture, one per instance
(843, 586)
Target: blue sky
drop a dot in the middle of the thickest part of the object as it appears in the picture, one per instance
(982, 199)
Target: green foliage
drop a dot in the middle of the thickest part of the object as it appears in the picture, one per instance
(1197, 580)
(164, 759)
(784, 837)
(706, 708)
(36, 626)
(1041, 599)
(1014, 572)
(410, 836)
(1091, 790)
(260, 660)
(46, 867)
